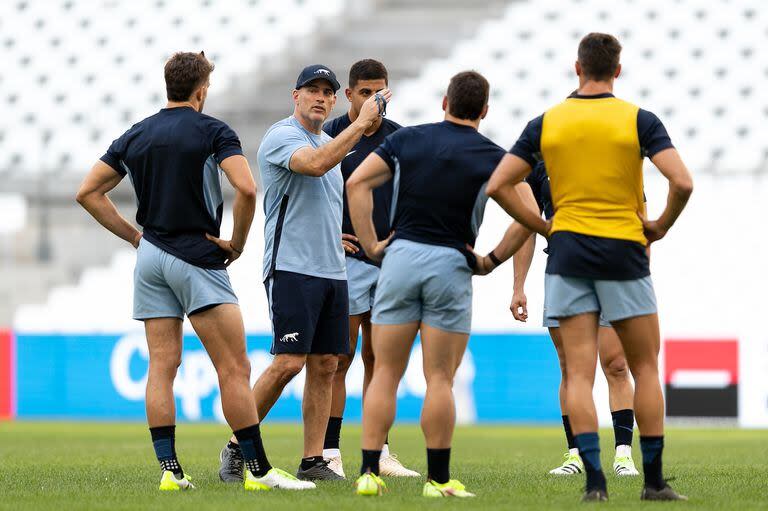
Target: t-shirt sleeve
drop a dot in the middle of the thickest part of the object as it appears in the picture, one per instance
(226, 143)
(652, 134)
(389, 150)
(116, 153)
(528, 146)
(281, 143)
(536, 180)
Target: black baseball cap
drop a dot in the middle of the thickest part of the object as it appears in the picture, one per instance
(316, 72)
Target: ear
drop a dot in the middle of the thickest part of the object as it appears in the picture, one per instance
(348, 93)
(578, 68)
(445, 104)
(484, 112)
(618, 71)
(296, 96)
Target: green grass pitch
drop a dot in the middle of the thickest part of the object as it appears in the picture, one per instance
(111, 466)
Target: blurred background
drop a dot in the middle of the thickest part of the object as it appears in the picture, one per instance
(80, 72)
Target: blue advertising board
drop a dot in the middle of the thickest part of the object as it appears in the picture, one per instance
(503, 378)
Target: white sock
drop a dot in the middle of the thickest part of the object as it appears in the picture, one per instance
(573, 452)
(385, 451)
(331, 453)
(623, 451)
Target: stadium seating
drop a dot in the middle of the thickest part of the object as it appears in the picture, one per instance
(84, 70)
(695, 63)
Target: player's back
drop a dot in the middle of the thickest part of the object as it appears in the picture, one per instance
(172, 161)
(440, 172)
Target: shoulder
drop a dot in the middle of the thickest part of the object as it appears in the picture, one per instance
(281, 130)
(390, 126)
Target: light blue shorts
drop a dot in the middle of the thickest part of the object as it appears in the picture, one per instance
(361, 282)
(614, 299)
(164, 286)
(427, 283)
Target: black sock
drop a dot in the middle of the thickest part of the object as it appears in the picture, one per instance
(439, 465)
(370, 462)
(253, 450)
(386, 440)
(568, 433)
(589, 450)
(623, 426)
(652, 447)
(164, 442)
(333, 433)
(307, 463)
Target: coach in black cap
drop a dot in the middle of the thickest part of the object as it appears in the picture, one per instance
(316, 72)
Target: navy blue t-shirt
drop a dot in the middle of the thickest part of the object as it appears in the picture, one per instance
(382, 196)
(440, 172)
(172, 159)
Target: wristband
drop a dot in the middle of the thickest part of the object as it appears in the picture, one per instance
(240, 252)
(495, 260)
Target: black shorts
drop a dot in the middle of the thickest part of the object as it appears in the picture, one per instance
(310, 315)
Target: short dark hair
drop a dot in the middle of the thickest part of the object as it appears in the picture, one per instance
(468, 95)
(185, 72)
(367, 69)
(599, 56)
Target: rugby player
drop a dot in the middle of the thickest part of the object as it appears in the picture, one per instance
(439, 173)
(593, 145)
(366, 78)
(174, 159)
(304, 271)
(612, 359)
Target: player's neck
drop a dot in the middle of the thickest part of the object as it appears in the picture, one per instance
(473, 123)
(370, 131)
(593, 88)
(182, 104)
(308, 125)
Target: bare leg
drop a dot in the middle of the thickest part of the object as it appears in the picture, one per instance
(641, 341)
(579, 337)
(392, 348)
(271, 383)
(554, 334)
(442, 352)
(366, 352)
(339, 400)
(221, 331)
(316, 406)
(614, 364)
(164, 341)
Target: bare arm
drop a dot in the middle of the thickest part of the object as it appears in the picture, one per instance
(672, 167)
(316, 162)
(238, 173)
(503, 188)
(370, 174)
(92, 196)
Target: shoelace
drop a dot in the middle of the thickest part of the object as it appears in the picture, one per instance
(235, 461)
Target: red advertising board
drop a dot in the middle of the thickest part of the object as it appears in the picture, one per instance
(7, 369)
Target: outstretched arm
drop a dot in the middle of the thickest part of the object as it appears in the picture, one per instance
(92, 196)
(370, 174)
(316, 161)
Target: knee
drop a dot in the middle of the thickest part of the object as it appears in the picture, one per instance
(235, 369)
(440, 377)
(344, 361)
(368, 359)
(325, 366)
(165, 364)
(616, 369)
(285, 368)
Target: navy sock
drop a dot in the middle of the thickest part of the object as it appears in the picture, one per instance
(623, 426)
(589, 450)
(333, 433)
(652, 447)
(370, 462)
(253, 450)
(164, 442)
(568, 433)
(438, 465)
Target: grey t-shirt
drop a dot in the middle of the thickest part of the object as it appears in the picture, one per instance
(302, 231)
